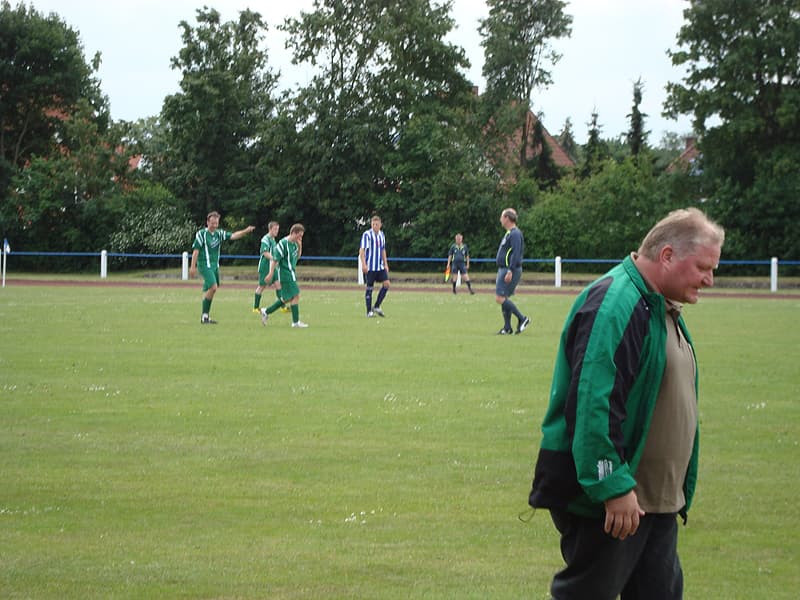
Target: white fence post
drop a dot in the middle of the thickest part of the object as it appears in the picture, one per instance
(558, 271)
(104, 264)
(773, 274)
(185, 266)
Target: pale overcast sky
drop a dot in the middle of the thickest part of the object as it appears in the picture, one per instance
(613, 43)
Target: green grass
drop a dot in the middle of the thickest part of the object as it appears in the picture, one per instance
(143, 455)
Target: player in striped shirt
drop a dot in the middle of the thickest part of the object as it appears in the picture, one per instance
(374, 264)
(205, 258)
(284, 260)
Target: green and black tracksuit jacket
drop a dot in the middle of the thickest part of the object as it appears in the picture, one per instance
(605, 385)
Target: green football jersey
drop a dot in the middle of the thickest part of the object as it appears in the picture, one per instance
(209, 246)
(285, 255)
(268, 244)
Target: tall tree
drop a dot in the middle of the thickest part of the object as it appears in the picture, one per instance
(443, 186)
(743, 71)
(70, 199)
(381, 68)
(43, 75)
(212, 125)
(743, 88)
(566, 140)
(637, 136)
(542, 166)
(518, 58)
(596, 151)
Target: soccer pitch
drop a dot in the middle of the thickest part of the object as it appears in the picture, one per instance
(143, 455)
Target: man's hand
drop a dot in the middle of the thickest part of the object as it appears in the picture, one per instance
(622, 516)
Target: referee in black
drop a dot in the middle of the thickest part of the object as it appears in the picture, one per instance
(458, 262)
(509, 272)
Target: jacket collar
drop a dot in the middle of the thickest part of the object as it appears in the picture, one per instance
(653, 298)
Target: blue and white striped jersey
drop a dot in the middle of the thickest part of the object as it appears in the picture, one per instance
(373, 244)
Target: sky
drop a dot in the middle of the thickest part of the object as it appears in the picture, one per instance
(613, 43)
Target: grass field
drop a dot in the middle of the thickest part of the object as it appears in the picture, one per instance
(143, 455)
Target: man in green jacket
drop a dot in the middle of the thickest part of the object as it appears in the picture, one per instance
(618, 457)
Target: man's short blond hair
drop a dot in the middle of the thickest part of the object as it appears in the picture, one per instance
(684, 230)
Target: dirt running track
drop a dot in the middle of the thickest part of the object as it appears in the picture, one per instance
(330, 286)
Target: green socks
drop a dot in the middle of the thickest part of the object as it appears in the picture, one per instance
(275, 306)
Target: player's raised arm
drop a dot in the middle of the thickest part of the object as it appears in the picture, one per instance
(242, 232)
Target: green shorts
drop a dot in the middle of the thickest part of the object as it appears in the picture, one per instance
(210, 278)
(262, 277)
(289, 290)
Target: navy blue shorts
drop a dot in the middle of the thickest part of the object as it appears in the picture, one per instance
(506, 290)
(373, 276)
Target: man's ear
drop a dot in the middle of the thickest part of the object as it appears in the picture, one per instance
(666, 255)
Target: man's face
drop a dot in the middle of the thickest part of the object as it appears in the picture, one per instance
(685, 277)
(273, 231)
(504, 221)
(297, 236)
(212, 223)
(376, 225)
(459, 239)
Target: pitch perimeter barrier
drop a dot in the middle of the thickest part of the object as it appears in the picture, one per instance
(557, 262)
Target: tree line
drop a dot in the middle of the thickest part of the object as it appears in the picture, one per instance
(389, 124)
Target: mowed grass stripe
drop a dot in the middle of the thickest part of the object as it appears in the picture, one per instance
(145, 455)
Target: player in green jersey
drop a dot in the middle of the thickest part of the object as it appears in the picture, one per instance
(284, 260)
(267, 246)
(205, 258)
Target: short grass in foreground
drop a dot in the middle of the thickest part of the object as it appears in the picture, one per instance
(145, 455)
